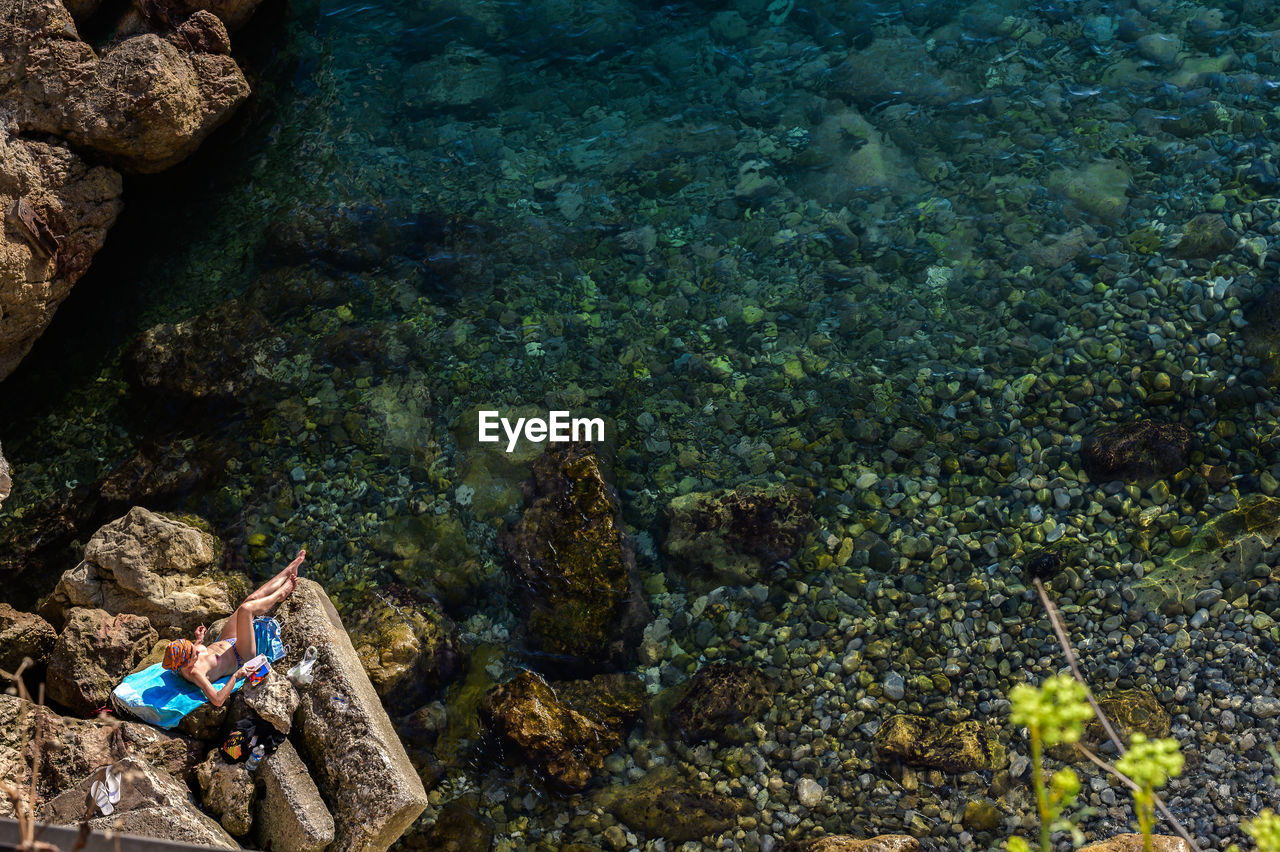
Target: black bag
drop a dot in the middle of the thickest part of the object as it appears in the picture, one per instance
(249, 732)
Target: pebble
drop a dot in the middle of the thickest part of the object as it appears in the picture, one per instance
(809, 792)
(1265, 706)
(895, 687)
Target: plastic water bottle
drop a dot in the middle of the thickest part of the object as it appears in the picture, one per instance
(255, 757)
(301, 674)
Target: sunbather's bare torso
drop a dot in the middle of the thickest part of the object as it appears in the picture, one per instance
(236, 644)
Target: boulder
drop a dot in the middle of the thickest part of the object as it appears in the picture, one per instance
(57, 210)
(1138, 452)
(154, 566)
(227, 792)
(72, 748)
(290, 814)
(409, 651)
(152, 804)
(221, 357)
(1130, 711)
(565, 745)
(1206, 236)
(1134, 843)
(896, 70)
(717, 698)
(918, 741)
(161, 475)
(205, 722)
(273, 698)
(575, 564)
(23, 634)
(1100, 188)
(431, 553)
(344, 732)
(845, 843)
(664, 804)
(92, 654)
(6, 482)
(461, 76)
(736, 534)
(459, 828)
(144, 104)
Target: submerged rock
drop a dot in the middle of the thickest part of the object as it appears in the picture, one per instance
(93, 653)
(459, 828)
(152, 804)
(431, 553)
(409, 651)
(664, 804)
(919, 741)
(153, 566)
(564, 744)
(736, 534)
(460, 77)
(1134, 843)
(144, 104)
(1100, 188)
(845, 843)
(717, 698)
(56, 211)
(576, 565)
(344, 732)
(224, 356)
(1136, 452)
(1206, 236)
(896, 70)
(1240, 536)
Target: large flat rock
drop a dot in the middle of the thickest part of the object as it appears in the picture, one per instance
(343, 732)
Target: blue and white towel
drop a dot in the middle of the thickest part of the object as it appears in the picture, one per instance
(164, 697)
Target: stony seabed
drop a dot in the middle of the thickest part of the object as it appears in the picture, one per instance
(882, 303)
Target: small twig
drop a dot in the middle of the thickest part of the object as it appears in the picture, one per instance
(1102, 717)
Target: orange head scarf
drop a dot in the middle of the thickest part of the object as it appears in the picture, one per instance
(179, 653)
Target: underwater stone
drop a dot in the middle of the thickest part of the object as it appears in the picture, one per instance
(846, 843)
(461, 76)
(736, 534)
(1136, 452)
(1136, 843)
(222, 356)
(665, 805)
(408, 650)
(1206, 236)
(1098, 188)
(565, 745)
(919, 741)
(577, 567)
(717, 699)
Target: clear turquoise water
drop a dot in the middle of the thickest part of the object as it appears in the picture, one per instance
(756, 257)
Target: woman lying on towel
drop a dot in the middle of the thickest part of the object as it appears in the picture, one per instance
(202, 665)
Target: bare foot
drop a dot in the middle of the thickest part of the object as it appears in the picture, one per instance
(289, 585)
(293, 566)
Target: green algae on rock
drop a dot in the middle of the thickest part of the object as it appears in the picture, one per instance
(1141, 451)
(736, 534)
(664, 804)
(561, 743)
(719, 697)
(918, 741)
(1236, 539)
(409, 650)
(575, 564)
(848, 843)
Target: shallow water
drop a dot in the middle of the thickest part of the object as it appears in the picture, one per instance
(906, 255)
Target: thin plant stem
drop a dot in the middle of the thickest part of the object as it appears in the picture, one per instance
(1042, 795)
(1070, 654)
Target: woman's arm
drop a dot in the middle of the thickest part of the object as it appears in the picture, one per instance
(217, 697)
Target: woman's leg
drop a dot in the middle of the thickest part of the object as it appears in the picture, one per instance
(240, 625)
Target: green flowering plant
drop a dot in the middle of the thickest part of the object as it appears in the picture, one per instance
(1053, 714)
(1149, 764)
(1265, 831)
